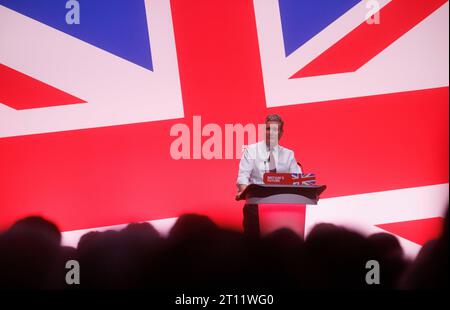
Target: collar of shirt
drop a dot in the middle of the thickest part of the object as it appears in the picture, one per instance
(266, 148)
(264, 151)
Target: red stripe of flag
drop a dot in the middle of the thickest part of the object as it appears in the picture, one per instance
(368, 40)
(20, 91)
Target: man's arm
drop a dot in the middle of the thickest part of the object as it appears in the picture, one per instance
(245, 169)
(293, 166)
(241, 187)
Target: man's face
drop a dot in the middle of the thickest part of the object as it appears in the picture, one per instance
(273, 133)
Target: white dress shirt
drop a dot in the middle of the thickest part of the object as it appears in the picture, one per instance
(255, 162)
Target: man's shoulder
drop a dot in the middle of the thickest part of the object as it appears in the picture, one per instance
(261, 145)
(253, 146)
(253, 150)
(285, 149)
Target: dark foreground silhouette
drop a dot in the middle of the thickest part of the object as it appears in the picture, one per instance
(199, 254)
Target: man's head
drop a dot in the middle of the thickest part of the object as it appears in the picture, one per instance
(274, 129)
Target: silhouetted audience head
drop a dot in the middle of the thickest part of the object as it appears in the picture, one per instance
(387, 251)
(29, 251)
(39, 225)
(193, 227)
(145, 229)
(387, 244)
(336, 257)
(430, 268)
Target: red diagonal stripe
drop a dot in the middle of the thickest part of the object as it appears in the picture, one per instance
(368, 40)
(20, 91)
(417, 231)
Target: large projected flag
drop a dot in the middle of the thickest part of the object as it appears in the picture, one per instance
(86, 109)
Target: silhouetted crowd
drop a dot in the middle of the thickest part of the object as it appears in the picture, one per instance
(199, 254)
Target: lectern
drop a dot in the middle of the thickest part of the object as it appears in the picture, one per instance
(286, 194)
(282, 194)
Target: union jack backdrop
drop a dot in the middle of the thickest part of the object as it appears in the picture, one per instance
(86, 109)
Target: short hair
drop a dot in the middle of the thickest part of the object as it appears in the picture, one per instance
(275, 118)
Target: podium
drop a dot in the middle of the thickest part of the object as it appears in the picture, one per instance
(283, 194)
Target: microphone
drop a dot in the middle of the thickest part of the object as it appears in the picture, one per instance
(301, 167)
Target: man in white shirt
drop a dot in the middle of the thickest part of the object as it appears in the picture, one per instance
(259, 158)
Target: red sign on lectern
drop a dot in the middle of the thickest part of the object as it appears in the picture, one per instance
(289, 178)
